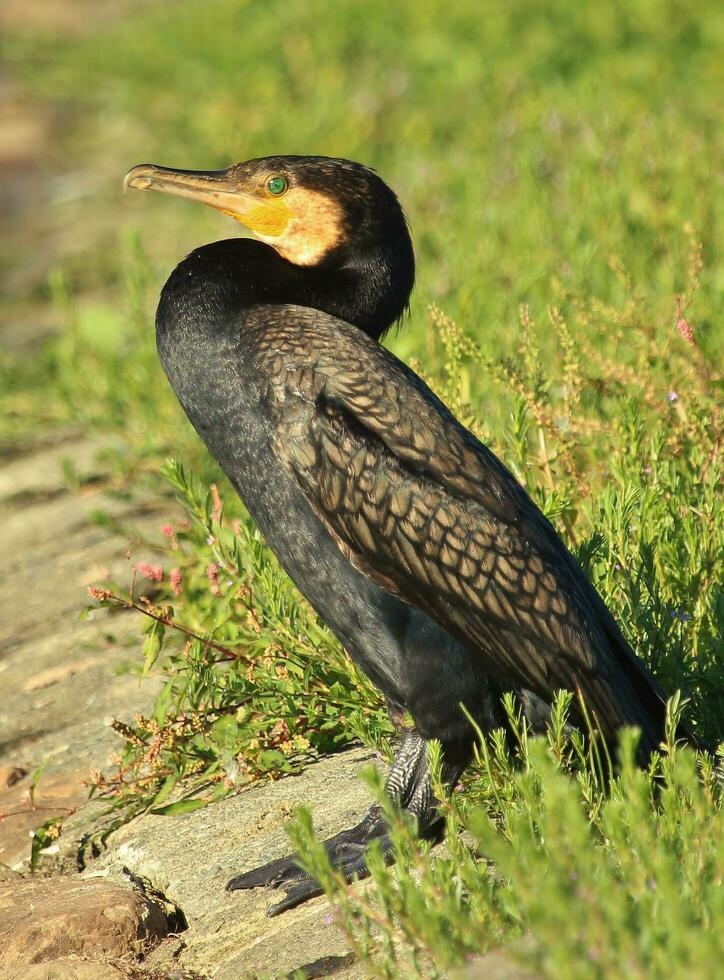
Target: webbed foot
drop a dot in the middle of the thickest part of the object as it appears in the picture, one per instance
(347, 852)
(408, 783)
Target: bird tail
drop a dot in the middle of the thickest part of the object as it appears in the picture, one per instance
(639, 701)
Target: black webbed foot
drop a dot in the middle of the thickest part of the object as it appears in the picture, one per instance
(408, 783)
(347, 853)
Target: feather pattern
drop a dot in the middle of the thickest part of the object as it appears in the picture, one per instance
(428, 512)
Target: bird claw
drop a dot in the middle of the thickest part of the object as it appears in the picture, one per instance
(297, 892)
(284, 874)
(347, 853)
(275, 874)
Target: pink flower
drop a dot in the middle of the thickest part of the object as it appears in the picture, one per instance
(685, 330)
(213, 575)
(153, 573)
(334, 916)
(169, 531)
(99, 593)
(175, 578)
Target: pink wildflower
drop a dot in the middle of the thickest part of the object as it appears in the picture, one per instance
(153, 573)
(175, 578)
(169, 531)
(685, 330)
(97, 592)
(213, 575)
(334, 916)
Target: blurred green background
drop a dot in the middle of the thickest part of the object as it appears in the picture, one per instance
(549, 154)
(556, 154)
(526, 140)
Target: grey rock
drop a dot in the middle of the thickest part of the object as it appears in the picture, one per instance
(504, 963)
(66, 968)
(190, 858)
(59, 675)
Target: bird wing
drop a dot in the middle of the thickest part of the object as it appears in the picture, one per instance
(427, 511)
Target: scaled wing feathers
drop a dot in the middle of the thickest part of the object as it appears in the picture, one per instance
(423, 508)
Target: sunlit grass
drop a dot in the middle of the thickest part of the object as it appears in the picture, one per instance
(561, 168)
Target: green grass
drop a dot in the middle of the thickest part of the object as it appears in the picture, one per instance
(560, 165)
(579, 883)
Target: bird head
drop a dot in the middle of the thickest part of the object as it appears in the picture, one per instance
(311, 210)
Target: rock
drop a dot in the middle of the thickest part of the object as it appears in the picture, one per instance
(190, 858)
(53, 918)
(502, 963)
(59, 674)
(9, 775)
(55, 796)
(41, 475)
(67, 968)
(61, 688)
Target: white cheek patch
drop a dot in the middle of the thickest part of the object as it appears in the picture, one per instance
(315, 227)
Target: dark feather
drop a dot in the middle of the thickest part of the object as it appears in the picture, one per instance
(428, 512)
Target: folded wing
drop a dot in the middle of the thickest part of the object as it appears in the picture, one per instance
(428, 512)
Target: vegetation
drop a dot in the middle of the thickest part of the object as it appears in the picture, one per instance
(605, 884)
(557, 162)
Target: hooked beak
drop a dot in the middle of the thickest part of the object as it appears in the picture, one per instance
(216, 188)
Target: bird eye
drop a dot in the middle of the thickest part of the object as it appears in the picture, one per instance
(276, 185)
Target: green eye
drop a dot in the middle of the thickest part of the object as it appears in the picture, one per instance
(276, 185)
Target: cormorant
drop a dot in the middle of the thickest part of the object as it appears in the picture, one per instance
(422, 553)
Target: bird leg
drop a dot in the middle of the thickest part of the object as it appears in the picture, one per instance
(408, 784)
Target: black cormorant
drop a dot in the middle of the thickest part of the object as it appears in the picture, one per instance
(417, 547)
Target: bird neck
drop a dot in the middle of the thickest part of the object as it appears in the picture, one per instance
(219, 282)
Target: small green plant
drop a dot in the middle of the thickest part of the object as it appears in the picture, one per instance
(625, 882)
(521, 181)
(609, 875)
(255, 685)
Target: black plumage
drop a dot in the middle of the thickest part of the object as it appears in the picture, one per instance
(418, 548)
